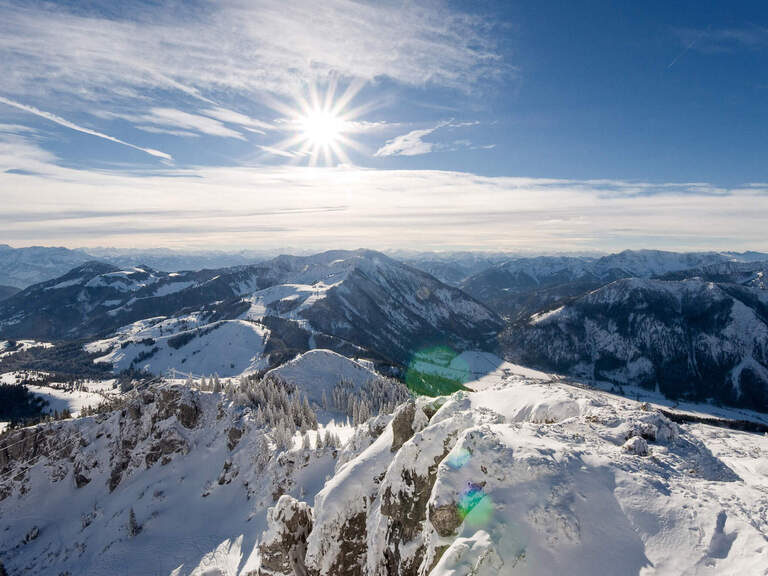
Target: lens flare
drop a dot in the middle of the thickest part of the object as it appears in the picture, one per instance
(475, 506)
(458, 458)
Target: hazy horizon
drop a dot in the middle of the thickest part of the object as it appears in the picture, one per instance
(305, 251)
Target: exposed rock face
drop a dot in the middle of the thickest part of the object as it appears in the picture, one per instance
(339, 545)
(26, 444)
(374, 526)
(149, 428)
(233, 437)
(402, 425)
(405, 492)
(179, 402)
(284, 545)
(170, 443)
(445, 519)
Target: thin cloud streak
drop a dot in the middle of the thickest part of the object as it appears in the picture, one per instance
(413, 144)
(71, 125)
(410, 144)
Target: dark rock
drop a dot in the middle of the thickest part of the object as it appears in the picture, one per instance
(402, 425)
(285, 544)
(445, 519)
(233, 437)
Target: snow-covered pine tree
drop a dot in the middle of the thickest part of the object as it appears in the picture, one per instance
(133, 526)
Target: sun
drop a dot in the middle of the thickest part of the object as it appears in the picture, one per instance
(320, 128)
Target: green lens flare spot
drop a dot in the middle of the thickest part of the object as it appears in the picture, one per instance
(436, 371)
(477, 512)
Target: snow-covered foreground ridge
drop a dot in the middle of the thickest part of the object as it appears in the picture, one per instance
(523, 476)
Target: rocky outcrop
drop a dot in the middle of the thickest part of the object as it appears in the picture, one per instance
(284, 544)
(170, 443)
(179, 402)
(145, 429)
(340, 543)
(396, 538)
(370, 518)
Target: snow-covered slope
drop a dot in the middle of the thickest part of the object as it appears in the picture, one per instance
(692, 339)
(11, 347)
(225, 347)
(524, 476)
(540, 478)
(319, 371)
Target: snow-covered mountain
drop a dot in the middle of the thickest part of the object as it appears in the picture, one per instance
(176, 261)
(522, 286)
(523, 476)
(22, 267)
(350, 301)
(8, 291)
(752, 273)
(95, 298)
(690, 338)
(317, 372)
(453, 268)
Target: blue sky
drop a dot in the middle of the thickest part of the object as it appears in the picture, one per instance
(521, 126)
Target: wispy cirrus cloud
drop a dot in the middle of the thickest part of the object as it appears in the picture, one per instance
(247, 47)
(71, 125)
(232, 117)
(206, 69)
(726, 39)
(410, 144)
(413, 143)
(171, 120)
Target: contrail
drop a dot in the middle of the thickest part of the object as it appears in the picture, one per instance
(67, 124)
(687, 48)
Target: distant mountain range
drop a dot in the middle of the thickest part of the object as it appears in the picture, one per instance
(359, 302)
(692, 324)
(23, 267)
(522, 286)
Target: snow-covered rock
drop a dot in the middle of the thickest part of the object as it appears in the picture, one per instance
(284, 544)
(489, 488)
(524, 475)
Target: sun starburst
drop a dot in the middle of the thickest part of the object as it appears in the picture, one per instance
(321, 129)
